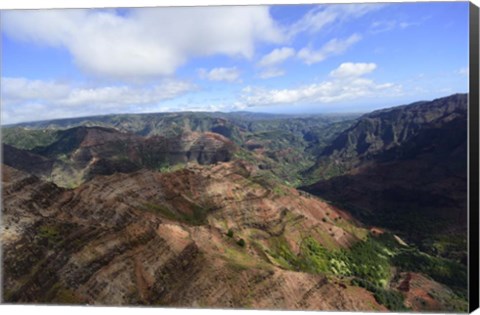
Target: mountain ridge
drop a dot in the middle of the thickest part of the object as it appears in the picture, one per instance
(364, 168)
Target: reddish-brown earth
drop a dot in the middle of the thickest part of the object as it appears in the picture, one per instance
(424, 294)
(160, 239)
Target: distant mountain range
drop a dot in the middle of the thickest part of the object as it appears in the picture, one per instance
(278, 139)
(80, 153)
(337, 212)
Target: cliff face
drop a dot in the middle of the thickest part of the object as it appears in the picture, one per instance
(403, 168)
(405, 132)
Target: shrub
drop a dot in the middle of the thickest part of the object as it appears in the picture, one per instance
(393, 300)
(442, 270)
(230, 233)
(241, 242)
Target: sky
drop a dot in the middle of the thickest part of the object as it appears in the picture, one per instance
(279, 59)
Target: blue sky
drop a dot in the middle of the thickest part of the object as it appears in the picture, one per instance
(281, 59)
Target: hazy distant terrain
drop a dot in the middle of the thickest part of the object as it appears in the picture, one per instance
(323, 212)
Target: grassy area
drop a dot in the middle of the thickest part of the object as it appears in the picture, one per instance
(51, 234)
(244, 155)
(369, 262)
(166, 168)
(282, 254)
(393, 300)
(442, 270)
(28, 139)
(314, 257)
(197, 217)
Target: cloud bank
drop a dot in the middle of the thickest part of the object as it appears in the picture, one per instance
(346, 83)
(49, 99)
(147, 42)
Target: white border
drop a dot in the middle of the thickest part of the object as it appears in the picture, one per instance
(74, 310)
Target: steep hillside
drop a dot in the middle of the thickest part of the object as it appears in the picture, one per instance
(406, 169)
(27, 161)
(396, 133)
(214, 235)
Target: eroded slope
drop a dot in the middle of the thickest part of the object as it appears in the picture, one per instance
(174, 238)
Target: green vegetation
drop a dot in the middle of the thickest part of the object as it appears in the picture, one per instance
(239, 260)
(243, 154)
(282, 254)
(50, 234)
(442, 270)
(197, 216)
(230, 233)
(279, 191)
(60, 295)
(167, 168)
(314, 258)
(66, 296)
(416, 226)
(241, 242)
(393, 300)
(23, 138)
(369, 262)
(451, 246)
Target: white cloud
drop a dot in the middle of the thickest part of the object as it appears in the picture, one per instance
(345, 87)
(464, 71)
(404, 25)
(147, 42)
(276, 56)
(21, 89)
(331, 48)
(271, 60)
(383, 26)
(349, 69)
(220, 74)
(24, 99)
(324, 15)
(271, 73)
(388, 25)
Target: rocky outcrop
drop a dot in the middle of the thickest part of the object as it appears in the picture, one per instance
(398, 133)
